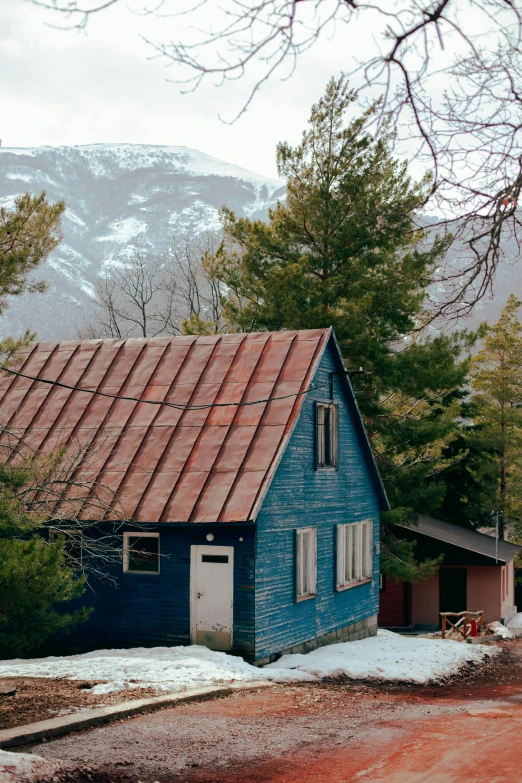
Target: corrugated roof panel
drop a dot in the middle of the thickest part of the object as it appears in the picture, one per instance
(235, 443)
(97, 370)
(165, 463)
(152, 447)
(178, 449)
(247, 358)
(229, 393)
(213, 495)
(242, 496)
(155, 496)
(272, 361)
(279, 410)
(206, 448)
(184, 497)
(170, 363)
(265, 445)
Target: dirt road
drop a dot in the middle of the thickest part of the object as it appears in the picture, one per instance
(470, 730)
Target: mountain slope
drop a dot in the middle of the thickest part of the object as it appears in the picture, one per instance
(119, 197)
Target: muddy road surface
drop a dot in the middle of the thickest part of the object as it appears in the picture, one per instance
(467, 731)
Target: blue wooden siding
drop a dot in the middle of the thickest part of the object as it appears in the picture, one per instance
(300, 496)
(154, 610)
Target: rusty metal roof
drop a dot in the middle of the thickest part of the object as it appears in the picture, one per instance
(163, 463)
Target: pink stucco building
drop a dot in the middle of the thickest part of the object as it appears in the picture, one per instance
(475, 575)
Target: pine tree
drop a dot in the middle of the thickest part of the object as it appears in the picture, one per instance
(343, 250)
(497, 417)
(29, 231)
(35, 578)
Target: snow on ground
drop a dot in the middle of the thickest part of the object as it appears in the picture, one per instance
(164, 668)
(23, 767)
(515, 624)
(390, 657)
(501, 630)
(386, 656)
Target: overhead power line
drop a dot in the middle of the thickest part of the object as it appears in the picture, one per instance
(175, 405)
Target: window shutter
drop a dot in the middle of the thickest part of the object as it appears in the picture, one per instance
(369, 553)
(313, 561)
(341, 555)
(320, 434)
(334, 436)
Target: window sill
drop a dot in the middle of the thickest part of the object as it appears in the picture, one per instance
(351, 585)
(142, 573)
(305, 598)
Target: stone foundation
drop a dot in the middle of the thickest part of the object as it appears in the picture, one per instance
(350, 633)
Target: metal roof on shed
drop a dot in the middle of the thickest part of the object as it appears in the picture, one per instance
(464, 537)
(166, 464)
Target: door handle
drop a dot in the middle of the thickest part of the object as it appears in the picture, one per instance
(200, 595)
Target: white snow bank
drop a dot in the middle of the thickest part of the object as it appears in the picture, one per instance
(515, 624)
(25, 768)
(164, 668)
(501, 630)
(390, 657)
(386, 656)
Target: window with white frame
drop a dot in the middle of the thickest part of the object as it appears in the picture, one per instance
(141, 553)
(72, 545)
(306, 562)
(354, 552)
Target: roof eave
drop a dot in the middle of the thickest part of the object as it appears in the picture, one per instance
(384, 503)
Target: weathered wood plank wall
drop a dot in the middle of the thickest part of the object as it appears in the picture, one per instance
(154, 610)
(299, 496)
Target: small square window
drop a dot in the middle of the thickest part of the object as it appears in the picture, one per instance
(141, 553)
(306, 562)
(354, 552)
(72, 545)
(326, 435)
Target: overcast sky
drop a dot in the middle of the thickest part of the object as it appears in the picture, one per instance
(67, 87)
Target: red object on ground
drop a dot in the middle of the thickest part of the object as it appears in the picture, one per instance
(474, 627)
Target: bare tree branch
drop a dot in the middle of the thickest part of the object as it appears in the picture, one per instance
(449, 73)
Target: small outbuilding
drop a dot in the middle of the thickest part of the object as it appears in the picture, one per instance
(249, 493)
(476, 574)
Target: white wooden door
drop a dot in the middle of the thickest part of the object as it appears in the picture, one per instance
(212, 596)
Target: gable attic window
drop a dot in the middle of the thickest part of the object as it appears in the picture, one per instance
(141, 553)
(354, 553)
(327, 435)
(306, 562)
(72, 545)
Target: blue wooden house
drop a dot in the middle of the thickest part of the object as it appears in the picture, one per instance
(249, 496)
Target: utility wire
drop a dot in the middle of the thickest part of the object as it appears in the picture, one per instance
(175, 405)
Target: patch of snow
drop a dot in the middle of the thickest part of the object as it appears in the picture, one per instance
(133, 156)
(8, 202)
(168, 669)
(88, 289)
(124, 230)
(515, 624)
(501, 630)
(22, 177)
(73, 217)
(198, 216)
(388, 656)
(32, 151)
(26, 768)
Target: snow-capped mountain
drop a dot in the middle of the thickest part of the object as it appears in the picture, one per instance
(119, 197)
